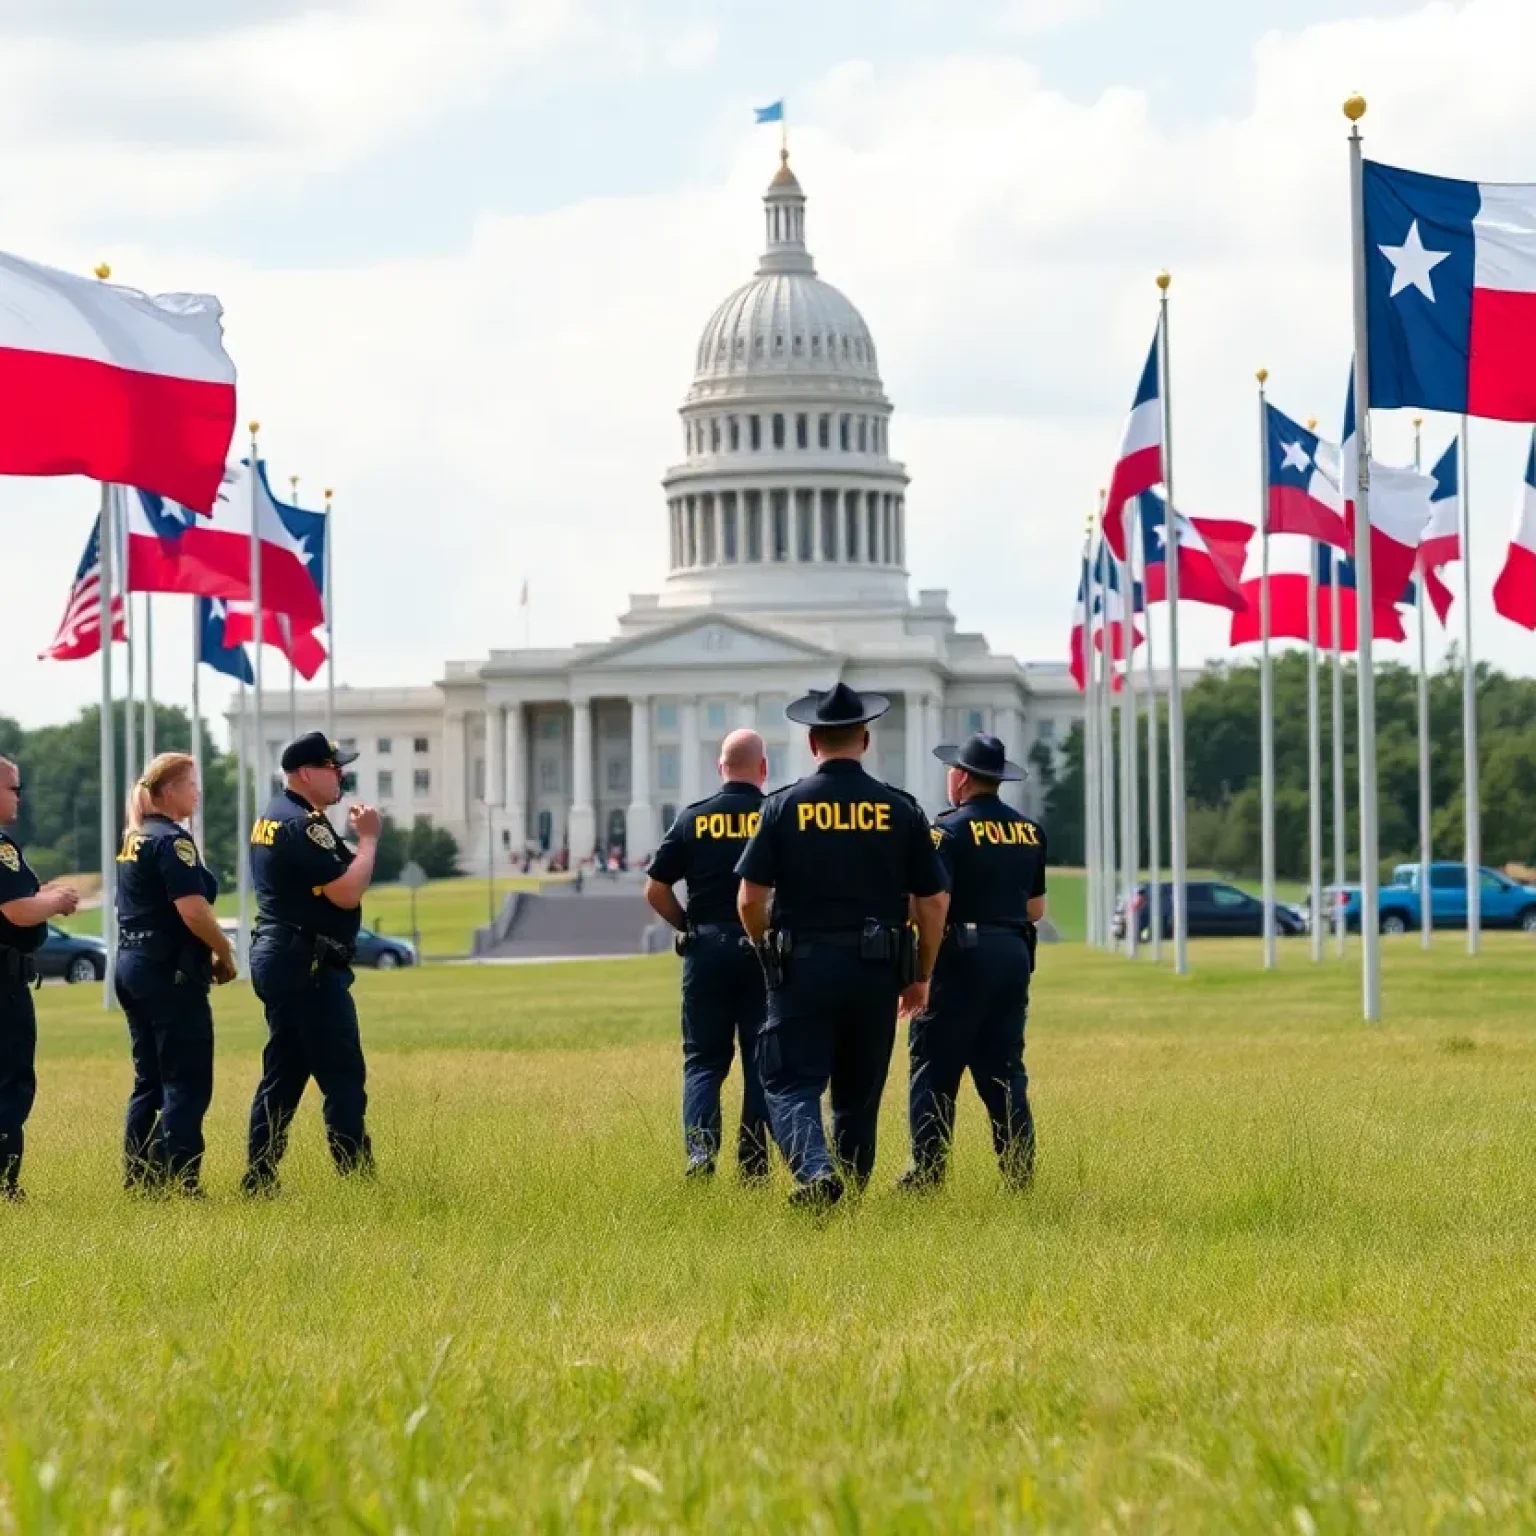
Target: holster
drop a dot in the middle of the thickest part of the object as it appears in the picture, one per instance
(965, 935)
(331, 952)
(879, 943)
(18, 966)
(772, 954)
(194, 965)
(681, 939)
(906, 955)
(1031, 942)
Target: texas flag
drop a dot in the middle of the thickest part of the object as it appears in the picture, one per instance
(1140, 465)
(1291, 558)
(1211, 555)
(1105, 608)
(1514, 593)
(1450, 293)
(1303, 496)
(1442, 536)
(303, 647)
(1077, 652)
(214, 648)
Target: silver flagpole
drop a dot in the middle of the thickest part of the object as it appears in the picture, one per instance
(1178, 858)
(1154, 808)
(1365, 677)
(1426, 916)
(1314, 764)
(1130, 840)
(197, 724)
(108, 764)
(1095, 819)
(243, 820)
(1340, 840)
(260, 774)
(293, 671)
(130, 713)
(1474, 831)
(1090, 749)
(1266, 695)
(330, 623)
(1107, 839)
(149, 679)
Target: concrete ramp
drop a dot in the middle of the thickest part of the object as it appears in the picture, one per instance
(610, 917)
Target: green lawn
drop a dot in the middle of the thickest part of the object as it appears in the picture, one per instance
(1275, 1275)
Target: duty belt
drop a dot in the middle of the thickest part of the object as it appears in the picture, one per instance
(1016, 929)
(17, 965)
(717, 930)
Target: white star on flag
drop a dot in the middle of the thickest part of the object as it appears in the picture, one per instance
(1412, 264)
(1297, 458)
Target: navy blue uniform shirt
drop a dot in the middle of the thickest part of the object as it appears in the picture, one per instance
(840, 848)
(702, 847)
(158, 864)
(17, 882)
(995, 858)
(295, 854)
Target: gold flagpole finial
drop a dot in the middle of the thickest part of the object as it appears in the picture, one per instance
(1262, 376)
(1163, 279)
(253, 427)
(327, 496)
(293, 486)
(103, 271)
(1311, 423)
(1354, 108)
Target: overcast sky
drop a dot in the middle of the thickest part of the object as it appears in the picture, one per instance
(466, 248)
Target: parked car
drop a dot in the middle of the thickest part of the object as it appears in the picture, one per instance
(74, 956)
(1502, 902)
(375, 949)
(1214, 910)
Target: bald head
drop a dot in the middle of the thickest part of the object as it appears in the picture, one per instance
(743, 758)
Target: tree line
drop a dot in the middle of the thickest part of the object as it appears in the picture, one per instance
(60, 822)
(1221, 712)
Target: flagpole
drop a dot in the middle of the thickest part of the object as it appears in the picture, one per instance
(1426, 916)
(1314, 763)
(197, 725)
(258, 627)
(242, 821)
(1107, 838)
(330, 625)
(149, 679)
(293, 671)
(1471, 797)
(1090, 749)
(1340, 840)
(130, 713)
(1266, 695)
(108, 745)
(1129, 840)
(1175, 688)
(1365, 677)
(1154, 808)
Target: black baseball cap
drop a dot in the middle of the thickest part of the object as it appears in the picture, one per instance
(316, 750)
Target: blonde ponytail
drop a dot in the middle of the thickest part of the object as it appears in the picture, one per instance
(163, 770)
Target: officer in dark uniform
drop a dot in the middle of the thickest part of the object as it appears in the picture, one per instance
(995, 860)
(169, 949)
(24, 912)
(844, 860)
(722, 981)
(309, 892)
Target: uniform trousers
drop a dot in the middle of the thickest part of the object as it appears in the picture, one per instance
(723, 1006)
(18, 1075)
(832, 1025)
(977, 1005)
(311, 1033)
(170, 1034)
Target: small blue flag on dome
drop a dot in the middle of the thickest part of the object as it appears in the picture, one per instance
(773, 113)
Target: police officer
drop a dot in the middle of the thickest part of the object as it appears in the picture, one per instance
(170, 948)
(995, 860)
(843, 859)
(309, 892)
(25, 908)
(722, 981)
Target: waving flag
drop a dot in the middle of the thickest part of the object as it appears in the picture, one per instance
(1442, 537)
(171, 550)
(1514, 593)
(1290, 560)
(1140, 465)
(1450, 293)
(1211, 553)
(1303, 497)
(103, 381)
(772, 113)
(217, 651)
(1109, 611)
(79, 633)
(304, 648)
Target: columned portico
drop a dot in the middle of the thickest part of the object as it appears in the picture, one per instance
(918, 746)
(582, 826)
(690, 750)
(515, 750)
(455, 767)
(640, 818)
(495, 757)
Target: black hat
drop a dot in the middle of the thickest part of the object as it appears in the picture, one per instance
(982, 755)
(315, 750)
(837, 707)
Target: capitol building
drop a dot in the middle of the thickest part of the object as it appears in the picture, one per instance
(785, 528)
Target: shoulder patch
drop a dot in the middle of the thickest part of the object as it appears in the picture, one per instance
(319, 833)
(186, 852)
(937, 834)
(10, 857)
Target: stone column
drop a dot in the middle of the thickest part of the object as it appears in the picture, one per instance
(495, 749)
(582, 820)
(455, 770)
(688, 749)
(515, 749)
(640, 818)
(918, 746)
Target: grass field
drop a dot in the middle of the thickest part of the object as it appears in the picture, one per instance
(1276, 1274)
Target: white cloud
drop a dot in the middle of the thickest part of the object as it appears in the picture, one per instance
(1040, 18)
(508, 410)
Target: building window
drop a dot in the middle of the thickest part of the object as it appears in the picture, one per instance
(421, 783)
(666, 768)
(901, 529)
(842, 431)
(666, 717)
(778, 430)
(976, 722)
(851, 525)
(734, 433)
(549, 774)
(755, 436)
(618, 776)
(477, 790)
(714, 434)
(714, 717)
(386, 784)
(384, 746)
(780, 525)
(1046, 731)
(872, 523)
(420, 746)
(823, 431)
(549, 727)
(863, 433)
(829, 525)
(804, 547)
(754, 527)
(802, 430)
(668, 816)
(730, 552)
(707, 530)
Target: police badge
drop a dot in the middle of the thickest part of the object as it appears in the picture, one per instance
(186, 852)
(320, 834)
(10, 857)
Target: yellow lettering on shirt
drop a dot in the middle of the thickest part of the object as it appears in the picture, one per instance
(132, 842)
(1005, 834)
(264, 833)
(726, 826)
(838, 816)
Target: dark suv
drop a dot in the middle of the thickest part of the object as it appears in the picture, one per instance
(1215, 909)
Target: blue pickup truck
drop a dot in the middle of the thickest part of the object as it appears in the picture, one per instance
(1504, 903)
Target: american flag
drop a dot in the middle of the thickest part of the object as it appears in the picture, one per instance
(79, 633)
